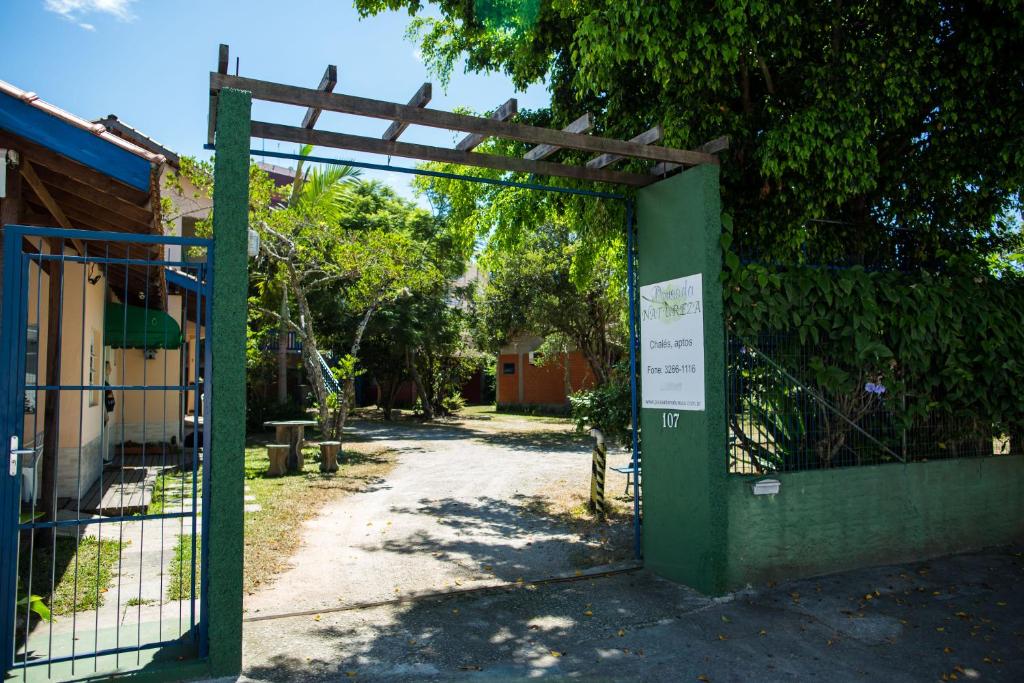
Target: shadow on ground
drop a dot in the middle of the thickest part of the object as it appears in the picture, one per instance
(958, 618)
(511, 538)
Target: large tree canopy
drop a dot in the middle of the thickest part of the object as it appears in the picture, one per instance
(855, 126)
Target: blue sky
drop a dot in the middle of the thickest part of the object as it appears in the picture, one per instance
(148, 62)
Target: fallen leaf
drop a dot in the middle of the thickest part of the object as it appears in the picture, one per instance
(588, 613)
(703, 677)
(726, 619)
(351, 674)
(556, 653)
(722, 636)
(455, 611)
(762, 633)
(948, 650)
(622, 632)
(317, 617)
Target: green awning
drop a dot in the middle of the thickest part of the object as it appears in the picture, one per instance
(136, 327)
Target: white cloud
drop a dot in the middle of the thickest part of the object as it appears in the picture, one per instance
(76, 10)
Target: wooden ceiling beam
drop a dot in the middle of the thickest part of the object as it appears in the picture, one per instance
(419, 100)
(130, 212)
(583, 124)
(358, 143)
(362, 106)
(29, 174)
(648, 137)
(502, 113)
(327, 83)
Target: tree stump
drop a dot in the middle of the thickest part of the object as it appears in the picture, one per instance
(329, 455)
(282, 434)
(278, 454)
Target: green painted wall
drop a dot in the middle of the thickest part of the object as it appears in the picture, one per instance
(684, 478)
(830, 520)
(227, 421)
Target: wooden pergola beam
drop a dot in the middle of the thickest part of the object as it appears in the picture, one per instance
(363, 106)
(502, 113)
(359, 143)
(648, 137)
(222, 68)
(327, 83)
(419, 100)
(583, 124)
(719, 144)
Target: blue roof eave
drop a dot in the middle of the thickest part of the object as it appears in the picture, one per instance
(77, 144)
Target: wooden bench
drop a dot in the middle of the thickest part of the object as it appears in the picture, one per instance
(278, 455)
(628, 471)
(329, 455)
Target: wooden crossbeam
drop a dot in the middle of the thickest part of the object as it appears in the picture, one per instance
(715, 146)
(327, 83)
(131, 213)
(29, 174)
(648, 137)
(222, 68)
(419, 100)
(502, 113)
(583, 124)
(359, 143)
(379, 109)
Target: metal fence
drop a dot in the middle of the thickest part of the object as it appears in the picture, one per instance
(781, 420)
(105, 342)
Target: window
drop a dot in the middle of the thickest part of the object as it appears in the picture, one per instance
(508, 368)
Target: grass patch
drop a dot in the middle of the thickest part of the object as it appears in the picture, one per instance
(608, 539)
(172, 489)
(135, 602)
(179, 587)
(71, 591)
(274, 532)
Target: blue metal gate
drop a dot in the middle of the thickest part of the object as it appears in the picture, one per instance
(102, 490)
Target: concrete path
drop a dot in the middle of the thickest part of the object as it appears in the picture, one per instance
(959, 618)
(450, 515)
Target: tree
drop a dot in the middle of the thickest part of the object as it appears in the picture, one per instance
(531, 289)
(859, 130)
(314, 258)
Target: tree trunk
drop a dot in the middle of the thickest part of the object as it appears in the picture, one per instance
(282, 352)
(311, 356)
(428, 409)
(567, 374)
(348, 386)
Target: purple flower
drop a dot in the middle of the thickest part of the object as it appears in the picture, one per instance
(873, 388)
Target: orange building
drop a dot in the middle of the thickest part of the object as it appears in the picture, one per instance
(523, 381)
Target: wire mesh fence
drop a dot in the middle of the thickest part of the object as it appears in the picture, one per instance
(781, 419)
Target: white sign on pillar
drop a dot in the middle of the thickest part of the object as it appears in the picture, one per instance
(672, 344)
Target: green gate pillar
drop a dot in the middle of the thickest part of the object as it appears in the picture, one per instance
(226, 414)
(684, 458)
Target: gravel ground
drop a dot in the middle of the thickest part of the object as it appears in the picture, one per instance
(454, 513)
(450, 517)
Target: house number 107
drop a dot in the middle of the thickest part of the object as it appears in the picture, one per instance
(670, 420)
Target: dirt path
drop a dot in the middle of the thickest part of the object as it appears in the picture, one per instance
(458, 510)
